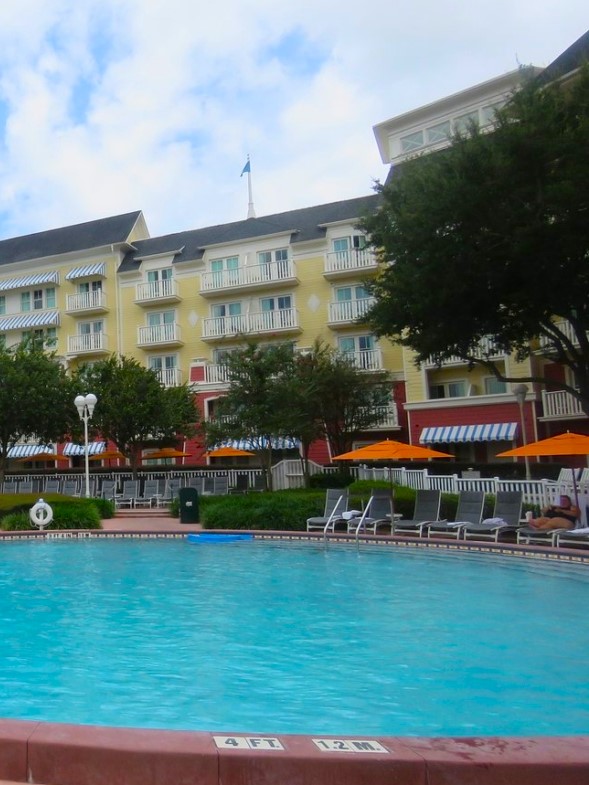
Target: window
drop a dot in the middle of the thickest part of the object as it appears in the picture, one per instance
(2, 303)
(225, 271)
(47, 337)
(159, 275)
(493, 386)
(165, 365)
(361, 349)
(412, 141)
(159, 318)
(455, 389)
(488, 113)
(346, 294)
(274, 262)
(2, 340)
(463, 123)
(343, 244)
(89, 286)
(42, 298)
(91, 328)
(438, 133)
(226, 309)
(275, 303)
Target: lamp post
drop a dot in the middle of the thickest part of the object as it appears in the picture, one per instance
(520, 392)
(85, 405)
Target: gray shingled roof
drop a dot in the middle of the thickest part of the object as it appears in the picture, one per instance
(92, 234)
(304, 224)
(571, 59)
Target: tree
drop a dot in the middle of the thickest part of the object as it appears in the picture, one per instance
(490, 238)
(36, 400)
(134, 410)
(275, 392)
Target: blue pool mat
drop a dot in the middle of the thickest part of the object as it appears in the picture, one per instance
(206, 537)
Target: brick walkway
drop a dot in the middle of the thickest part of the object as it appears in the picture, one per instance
(147, 521)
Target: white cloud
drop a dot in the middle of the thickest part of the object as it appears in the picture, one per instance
(117, 105)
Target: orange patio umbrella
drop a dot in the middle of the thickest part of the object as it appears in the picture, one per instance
(228, 452)
(107, 455)
(564, 444)
(390, 450)
(167, 452)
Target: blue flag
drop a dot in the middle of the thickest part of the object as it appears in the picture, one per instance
(246, 168)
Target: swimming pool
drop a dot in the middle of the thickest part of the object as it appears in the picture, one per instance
(291, 638)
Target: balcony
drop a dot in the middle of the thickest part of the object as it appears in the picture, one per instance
(169, 377)
(89, 343)
(485, 349)
(566, 328)
(285, 320)
(87, 302)
(389, 419)
(366, 360)
(352, 262)
(342, 314)
(155, 292)
(159, 335)
(560, 405)
(256, 276)
(216, 374)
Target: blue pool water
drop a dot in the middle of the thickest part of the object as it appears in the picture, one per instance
(291, 638)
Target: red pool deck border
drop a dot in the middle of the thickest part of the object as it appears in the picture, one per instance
(60, 754)
(52, 754)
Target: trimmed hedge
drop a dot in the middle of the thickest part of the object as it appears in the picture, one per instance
(68, 513)
(282, 510)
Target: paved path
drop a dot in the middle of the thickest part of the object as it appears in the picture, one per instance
(136, 522)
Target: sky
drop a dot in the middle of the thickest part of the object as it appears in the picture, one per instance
(110, 106)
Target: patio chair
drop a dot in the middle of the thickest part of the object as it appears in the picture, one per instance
(25, 486)
(576, 537)
(10, 486)
(129, 494)
(108, 489)
(170, 491)
(336, 503)
(241, 484)
(505, 520)
(426, 510)
(69, 488)
(378, 512)
(51, 485)
(220, 485)
(198, 483)
(469, 510)
(150, 494)
(527, 535)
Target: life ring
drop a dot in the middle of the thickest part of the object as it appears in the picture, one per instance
(41, 514)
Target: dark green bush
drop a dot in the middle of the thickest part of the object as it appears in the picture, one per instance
(106, 507)
(332, 480)
(67, 513)
(283, 510)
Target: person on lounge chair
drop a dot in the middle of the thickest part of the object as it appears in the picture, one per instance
(561, 516)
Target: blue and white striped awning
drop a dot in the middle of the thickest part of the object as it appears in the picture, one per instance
(261, 443)
(489, 432)
(87, 271)
(29, 280)
(94, 448)
(29, 450)
(25, 320)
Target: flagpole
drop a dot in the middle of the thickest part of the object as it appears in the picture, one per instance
(251, 213)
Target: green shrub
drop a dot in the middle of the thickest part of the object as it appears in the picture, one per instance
(283, 510)
(331, 480)
(67, 513)
(106, 507)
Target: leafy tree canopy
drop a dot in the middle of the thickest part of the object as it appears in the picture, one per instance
(134, 410)
(36, 399)
(491, 238)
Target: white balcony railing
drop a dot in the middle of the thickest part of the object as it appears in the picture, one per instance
(353, 259)
(87, 343)
(261, 322)
(366, 360)
(216, 374)
(389, 418)
(87, 301)
(486, 349)
(169, 377)
(253, 275)
(350, 310)
(565, 328)
(158, 334)
(560, 404)
(156, 290)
